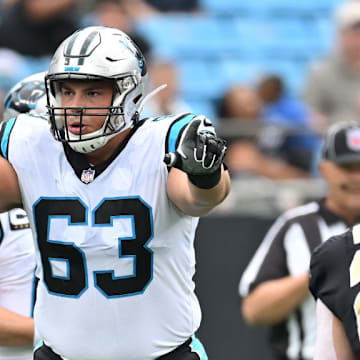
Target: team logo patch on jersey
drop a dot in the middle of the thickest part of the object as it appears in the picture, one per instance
(88, 176)
(353, 139)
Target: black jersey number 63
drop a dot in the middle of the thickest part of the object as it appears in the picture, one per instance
(76, 283)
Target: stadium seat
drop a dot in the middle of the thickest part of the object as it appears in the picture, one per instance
(226, 7)
(238, 71)
(291, 71)
(203, 107)
(183, 35)
(255, 37)
(280, 37)
(269, 7)
(200, 79)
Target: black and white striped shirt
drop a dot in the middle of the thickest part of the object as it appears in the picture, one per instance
(286, 250)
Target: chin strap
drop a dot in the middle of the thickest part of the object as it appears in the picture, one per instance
(149, 96)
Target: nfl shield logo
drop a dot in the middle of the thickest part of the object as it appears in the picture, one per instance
(87, 176)
(353, 139)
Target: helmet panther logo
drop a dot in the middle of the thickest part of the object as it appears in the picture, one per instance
(30, 94)
(26, 96)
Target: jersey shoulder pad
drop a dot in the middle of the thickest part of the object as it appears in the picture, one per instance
(21, 132)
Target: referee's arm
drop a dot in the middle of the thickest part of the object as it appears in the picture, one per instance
(273, 300)
(270, 293)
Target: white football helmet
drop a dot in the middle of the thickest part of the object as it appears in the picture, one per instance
(97, 53)
(28, 95)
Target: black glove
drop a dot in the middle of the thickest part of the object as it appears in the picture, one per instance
(199, 153)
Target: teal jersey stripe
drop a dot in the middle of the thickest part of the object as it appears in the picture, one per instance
(33, 294)
(38, 344)
(198, 347)
(175, 130)
(5, 138)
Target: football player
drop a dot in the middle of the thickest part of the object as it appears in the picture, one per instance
(335, 265)
(17, 281)
(335, 280)
(114, 223)
(17, 256)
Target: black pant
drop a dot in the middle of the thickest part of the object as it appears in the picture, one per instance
(182, 352)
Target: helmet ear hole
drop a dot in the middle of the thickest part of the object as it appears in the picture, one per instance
(127, 83)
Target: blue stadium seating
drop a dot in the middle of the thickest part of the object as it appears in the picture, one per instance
(200, 78)
(195, 36)
(235, 70)
(269, 7)
(241, 40)
(282, 38)
(182, 35)
(203, 107)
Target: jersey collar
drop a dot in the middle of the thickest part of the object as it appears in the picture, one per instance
(79, 163)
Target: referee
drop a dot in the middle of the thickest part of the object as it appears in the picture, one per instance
(275, 284)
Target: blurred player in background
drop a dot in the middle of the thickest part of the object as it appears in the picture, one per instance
(275, 285)
(114, 223)
(334, 283)
(27, 96)
(17, 281)
(17, 256)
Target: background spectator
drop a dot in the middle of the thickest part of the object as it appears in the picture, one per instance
(174, 5)
(253, 147)
(139, 9)
(118, 14)
(239, 103)
(333, 84)
(168, 100)
(294, 118)
(36, 27)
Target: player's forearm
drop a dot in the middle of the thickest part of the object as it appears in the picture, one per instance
(193, 200)
(272, 301)
(15, 329)
(207, 199)
(10, 195)
(341, 342)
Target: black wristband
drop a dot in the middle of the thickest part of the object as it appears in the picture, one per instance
(206, 181)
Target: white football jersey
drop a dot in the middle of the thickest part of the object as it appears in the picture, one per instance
(17, 267)
(115, 256)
